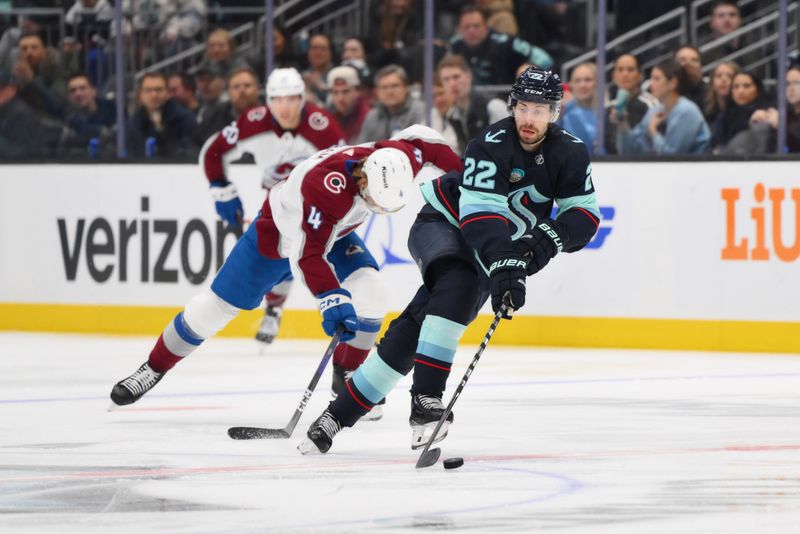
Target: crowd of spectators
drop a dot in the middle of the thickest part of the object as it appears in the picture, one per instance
(55, 101)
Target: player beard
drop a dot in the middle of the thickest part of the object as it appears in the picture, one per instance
(530, 135)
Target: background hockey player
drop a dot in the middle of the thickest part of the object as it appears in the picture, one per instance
(480, 234)
(279, 136)
(308, 220)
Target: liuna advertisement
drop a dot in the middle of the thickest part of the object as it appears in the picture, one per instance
(694, 255)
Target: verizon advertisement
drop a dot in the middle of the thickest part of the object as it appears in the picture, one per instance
(677, 240)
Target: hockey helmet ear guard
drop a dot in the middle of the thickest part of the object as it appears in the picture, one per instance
(389, 179)
(538, 86)
(286, 82)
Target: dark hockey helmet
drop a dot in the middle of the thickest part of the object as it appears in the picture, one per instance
(540, 86)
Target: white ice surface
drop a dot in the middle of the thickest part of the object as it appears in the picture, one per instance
(555, 440)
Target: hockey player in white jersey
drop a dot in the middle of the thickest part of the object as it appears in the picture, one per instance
(308, 220)
(279, 136)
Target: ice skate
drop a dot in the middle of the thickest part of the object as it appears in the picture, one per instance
(269, 325)
(426, 410)
(319, 437)
(131, 389)
(340, 377)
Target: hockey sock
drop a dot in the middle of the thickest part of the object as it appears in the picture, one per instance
(438, 340)
(277, 295)
(175, 343)
(353, 353)
(371, 382)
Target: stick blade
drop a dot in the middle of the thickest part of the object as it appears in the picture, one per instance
(249, 432)
(428, 458)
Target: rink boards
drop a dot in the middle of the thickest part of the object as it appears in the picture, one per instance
(688, 256)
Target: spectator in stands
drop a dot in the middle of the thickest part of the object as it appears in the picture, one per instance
(675, 126)
(320, 61)
(89, 10)
(578, 116)
(395, 108)
(442, 102)
(628, 98)
(221, 52)
(493, 57)
(282, 48)
(9, 41)
(183, 88)
(41, 81)
(468, 115)
(242, 95)
(22, 132)
(181, 22)
(747, 96)
(500, 15)
(688, 57)
(394, 32)
(210, 79)
(719, 90)
(349, 105)
(88, 115)
(764, 123)
(161, 119)
(726, 18)
(354, 54)
(560, 25)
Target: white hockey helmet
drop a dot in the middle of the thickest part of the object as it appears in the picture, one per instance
(389, 180)
(286, 82)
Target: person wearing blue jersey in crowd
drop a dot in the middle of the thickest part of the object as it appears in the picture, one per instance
(578, 117)
(480, 234)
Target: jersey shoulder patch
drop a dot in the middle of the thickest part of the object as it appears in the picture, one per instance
(256, 114)
(318, 121)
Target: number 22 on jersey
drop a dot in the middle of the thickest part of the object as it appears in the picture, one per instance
(484, 177)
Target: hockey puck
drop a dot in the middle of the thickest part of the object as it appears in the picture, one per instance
(453, 463)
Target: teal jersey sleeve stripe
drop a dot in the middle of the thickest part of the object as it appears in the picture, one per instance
(430, 197)
(491, 202)
(374, 379)
(587, 202)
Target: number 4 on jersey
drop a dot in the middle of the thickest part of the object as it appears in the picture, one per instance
(314, 218)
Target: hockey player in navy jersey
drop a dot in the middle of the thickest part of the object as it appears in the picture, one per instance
(308, 221)
(481, 233)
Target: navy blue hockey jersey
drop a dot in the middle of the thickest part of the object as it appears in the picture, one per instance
(504, 190)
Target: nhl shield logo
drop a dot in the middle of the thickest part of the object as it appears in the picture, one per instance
(516, 175)
(539, 159)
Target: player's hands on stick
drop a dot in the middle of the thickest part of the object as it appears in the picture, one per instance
(507, 279)
(541, 245)
(226, 201)
(336, 310)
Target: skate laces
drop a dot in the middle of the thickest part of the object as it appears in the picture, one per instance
(142, 380)
(329, 424)
(429, 402)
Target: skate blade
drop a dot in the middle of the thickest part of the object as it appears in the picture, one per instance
(421, 434)
(308, 447)
(375, 414)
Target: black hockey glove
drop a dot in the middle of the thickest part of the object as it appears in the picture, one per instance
(507, 276)
(545, 241)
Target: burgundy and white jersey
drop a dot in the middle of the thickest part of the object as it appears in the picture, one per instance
(319, 203)
(276, 151)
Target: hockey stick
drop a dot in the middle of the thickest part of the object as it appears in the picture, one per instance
(251, 432)
(431, 456)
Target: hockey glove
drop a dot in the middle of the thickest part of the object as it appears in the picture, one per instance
(226, 200)
(507, 277)
(545, 241)
(336, 310)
